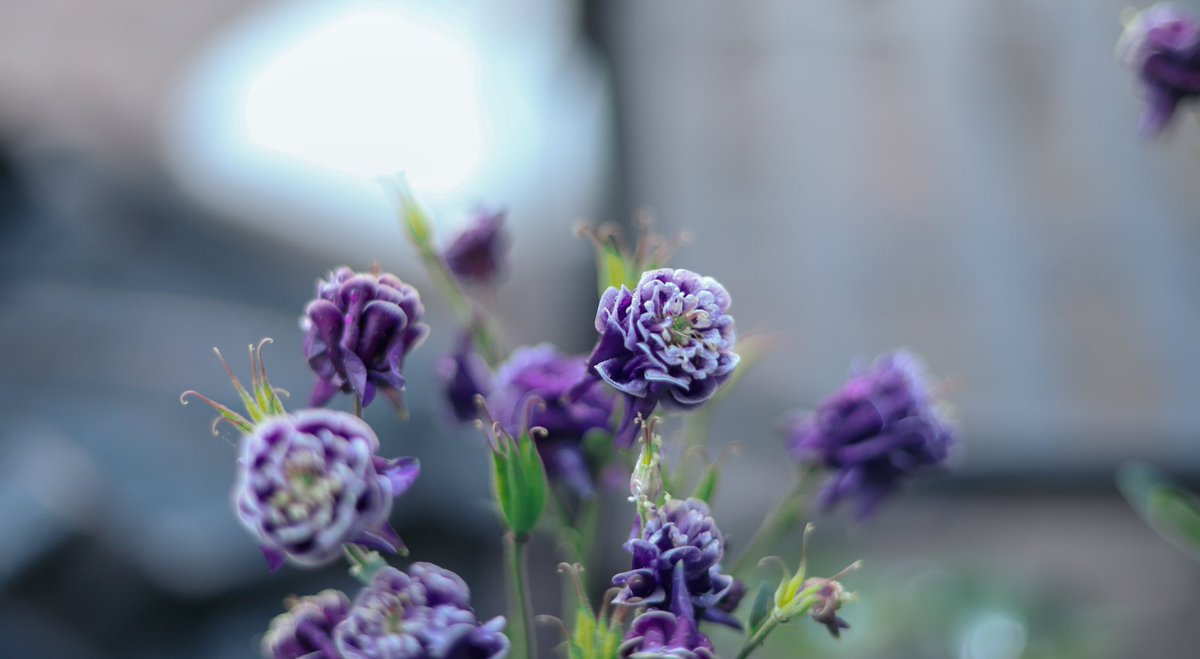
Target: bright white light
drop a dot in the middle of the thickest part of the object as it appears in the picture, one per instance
(371, 93)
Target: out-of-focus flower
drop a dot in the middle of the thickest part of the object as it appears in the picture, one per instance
(668, 633)
(1162, 45)
(542, 374)
(309, 482)
(306, 630)
(422, 614)
(466, 376)
(878, 430)
(679, 532)
(477, 255)
(669, 340)
(359, 330)
(828, 595)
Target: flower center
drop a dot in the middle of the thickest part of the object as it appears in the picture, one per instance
(306, 486)
(688, 326)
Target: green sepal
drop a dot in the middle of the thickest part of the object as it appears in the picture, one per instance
(519, 481)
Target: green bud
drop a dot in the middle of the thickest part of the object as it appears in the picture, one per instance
(518, 479)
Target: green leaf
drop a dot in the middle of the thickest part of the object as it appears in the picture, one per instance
(706, 488)
(1171, 511)
(763, 602)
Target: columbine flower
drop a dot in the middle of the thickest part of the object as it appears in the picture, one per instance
(669, 340)
(306, 630)
(466, 377)
(477, 254)
(878, 430)
(679, 532)
(424, 614)
(541, 374)
(668, 633)
(1162, 44)
(310, 482)
(360, 328)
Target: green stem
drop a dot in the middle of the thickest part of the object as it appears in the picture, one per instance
(520, 628)
(758, 638)
(358, 409)
(777, 523)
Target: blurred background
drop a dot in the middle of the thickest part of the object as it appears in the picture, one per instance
(961, 178)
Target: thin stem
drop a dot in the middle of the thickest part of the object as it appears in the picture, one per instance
(358, 410)
(777, 522)
(758, 638)
(520, 629)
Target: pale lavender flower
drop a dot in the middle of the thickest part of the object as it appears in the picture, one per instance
(306, 630)
(422, 614)
(542, 374)
(359, 330)
(669, 340)
(310, 482)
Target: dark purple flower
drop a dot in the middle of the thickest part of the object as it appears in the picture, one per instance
(878, 430)
(310, 482)
(542, 373)
(465, 375)
(477, 254)
(422, 614)
(668, 633)
(681, 532)
(306, 630)
(1162, 44)
(669, 340)
(359, 330)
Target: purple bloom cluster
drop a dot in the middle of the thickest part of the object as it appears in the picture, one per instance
(534, 382)
(879, 429)
(680, 533)
(668, 633)
(422, 614)
(306, 630)
(1162, 44)
(477, 254)
(669, 340)
(359, 330)
(309, 482)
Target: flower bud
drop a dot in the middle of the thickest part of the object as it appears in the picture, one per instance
(518, 479)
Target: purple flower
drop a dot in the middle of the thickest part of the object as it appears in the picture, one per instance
(477, 254)
(542, 373)
(359, 330)
(669, 340)
(309, 482)
(878, 430)
(663, 633)
(683, 533)
(465, 375)
(422, 614)
(1162, 44)
(306, 630)
(829, 600)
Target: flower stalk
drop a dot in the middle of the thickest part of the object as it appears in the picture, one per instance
(521, 633)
